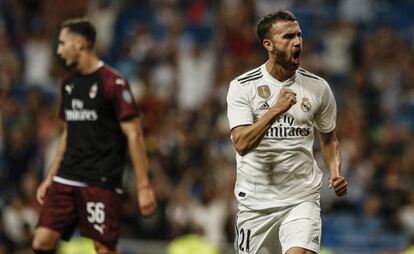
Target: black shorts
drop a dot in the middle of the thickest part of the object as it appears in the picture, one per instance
(96, 211)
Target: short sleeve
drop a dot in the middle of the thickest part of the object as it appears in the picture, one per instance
(325, 119)
(239, 110)
(120, 94)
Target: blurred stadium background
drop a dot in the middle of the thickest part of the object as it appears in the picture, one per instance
(179, 57)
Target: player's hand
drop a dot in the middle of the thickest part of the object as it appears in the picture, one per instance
(41, 190)
(146, 201)
(287, 98)
(339, 185)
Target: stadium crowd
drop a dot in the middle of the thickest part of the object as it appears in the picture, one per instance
(179, 57)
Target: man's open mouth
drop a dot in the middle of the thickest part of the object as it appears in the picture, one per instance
(296, 55)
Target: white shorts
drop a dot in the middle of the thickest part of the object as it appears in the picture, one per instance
(278, 230)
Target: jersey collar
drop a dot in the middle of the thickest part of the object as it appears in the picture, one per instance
(269, 77)
(100, 64)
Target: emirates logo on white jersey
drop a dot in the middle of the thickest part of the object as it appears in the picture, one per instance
(284, 127)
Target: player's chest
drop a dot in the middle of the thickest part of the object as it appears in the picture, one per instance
(83, 94)
(266, 96)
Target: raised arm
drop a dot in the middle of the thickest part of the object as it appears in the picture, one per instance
(246, 138)
(330, 151)
(145, 194)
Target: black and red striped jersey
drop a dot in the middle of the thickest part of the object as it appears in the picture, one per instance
(93, 106)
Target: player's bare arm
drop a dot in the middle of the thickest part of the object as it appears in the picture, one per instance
(246, 138)
(330, 151)
(145, 193)
(41, 190)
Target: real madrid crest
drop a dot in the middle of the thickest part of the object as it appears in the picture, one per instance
(263, 91)
(305, 105)
(93, 91)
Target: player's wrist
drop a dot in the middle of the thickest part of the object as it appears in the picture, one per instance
(49, 179)
(276, 111)
(143, 186)
(335, 174)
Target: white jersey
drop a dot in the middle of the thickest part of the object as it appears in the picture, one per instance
(281, 170)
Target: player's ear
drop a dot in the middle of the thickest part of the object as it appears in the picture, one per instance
(267, 44)
(80, 43)
(77, 44)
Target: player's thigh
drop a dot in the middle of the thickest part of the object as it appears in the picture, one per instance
(257, 233)
(300, 231)
(58, 212)
(45, 239)
(99, 215)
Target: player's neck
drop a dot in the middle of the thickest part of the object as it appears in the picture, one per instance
(277, 71)
(87, 63)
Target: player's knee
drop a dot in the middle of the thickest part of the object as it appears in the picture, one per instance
(42, 244)
(44, 241)
(102, 249)
(44, 251)
(297, 250)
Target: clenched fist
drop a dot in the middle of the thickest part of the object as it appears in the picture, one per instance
(287, 98)
(339, 185)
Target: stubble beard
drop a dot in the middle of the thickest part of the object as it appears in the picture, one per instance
(69, 65)
(282, 59)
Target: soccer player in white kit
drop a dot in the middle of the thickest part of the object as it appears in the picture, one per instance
(274, 111)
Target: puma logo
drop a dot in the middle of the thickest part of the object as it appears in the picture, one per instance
(99, 228)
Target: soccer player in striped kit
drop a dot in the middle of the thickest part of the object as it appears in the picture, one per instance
(101, 120)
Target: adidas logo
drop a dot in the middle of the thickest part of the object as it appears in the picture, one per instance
(265, 106)
(316, 240)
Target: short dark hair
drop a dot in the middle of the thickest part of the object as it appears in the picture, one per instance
(265, 23)
(83, 27)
